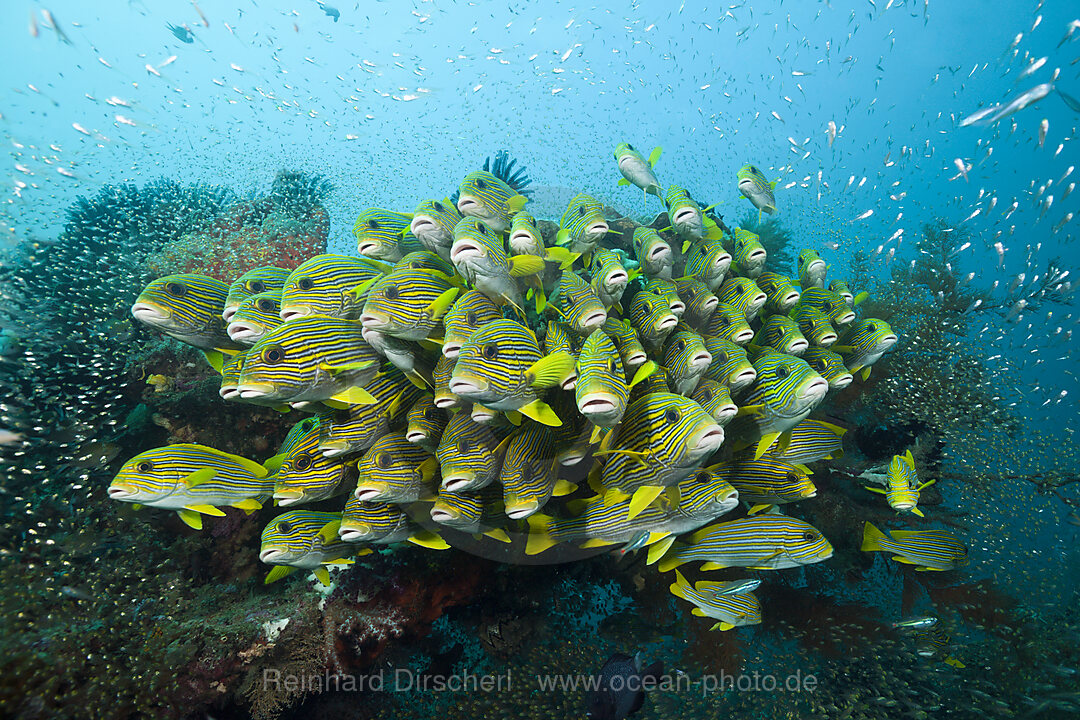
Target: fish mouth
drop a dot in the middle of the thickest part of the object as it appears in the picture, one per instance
(725, 414)
(678, 307)
(367, 494)
(458, 481)
(421, 224)
(468, 205)
(887, 342)
(636, 359)
(239, 332)
(616, 279)
(465, 388)
(522, 511)
(669, 322)
(333, 448)
(746, 186)
(291, 312)
(789, 300)
(684, 215)
(842, 381)
(416, 436)
(465, 250)
(593, 320)
(250, 391)
(597, 230)
(845, 318)
(596, 404)
(710, 305)
(446, 401)
(722, 263)
(228, 392)
(441, 516)
(482, 415)
(758, 301)
(743, 379)
(370, 321)
(368, 247)
(228, 311)
(797, 347)
(710, 440)
(827, 339)
(288, 497)
(701, 361)
(119, 493)
(570, 382)
(743, 337)
(269, 555)
(815, 267)
(150, 314)
(572, 457)
(659, 252)
(451, 350)
(815, 391)
(354, 534)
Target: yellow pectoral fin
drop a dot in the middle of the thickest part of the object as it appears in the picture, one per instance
(322, 575)
(654, 156)
(334, 369)
(441, 304)
(642, 498)
(541, 412)
(516, 202)
(711, 565)
(749, 410)
(764, 444)
(865, 373)
(917, 511)
(191, 518)
(215, 358)
(759, 508)
(328, 533)
(658, 549)
(429, 540)
(698, 612)
(523, 265)
(206, 510)
(538, 543)
(248, 505)
(277, 572)
(359, 291)
(498, 534)
(551, 370)
(200, 476)
(876, 490)
(355, 396)
(860, 298)
(644, 372)
(595, 543)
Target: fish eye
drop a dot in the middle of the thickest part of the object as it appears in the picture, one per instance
(809, 537)
(284, 527)
(581, 210)
(384, 460)
(706, 395)
(680, 346)
(273, 355)
(145, 466)
(256, 286)
(612, 367)
(267, 305)
(702, 477)
(391, 292)
(463, 446)
(629, 146)
(782, 372)
(307, 424)
(490, 352)
(723, 322)
(431, 414)
(480, 183)
(720, 357)
(177, 290)
(792, 477)
(672, 416)
(302, 463)
(438, 207)
(373, 224)
(470, 317)
(305, 283)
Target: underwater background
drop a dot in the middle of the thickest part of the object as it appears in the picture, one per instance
(924, 150)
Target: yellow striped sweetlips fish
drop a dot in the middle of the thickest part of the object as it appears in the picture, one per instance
(230, 377)
(407, 356)
(582, 226)
(684, 214)
(440, 381)
(471, 310)
(864, 343)
(433, 224)
(703, 498)
(661, 441)
(557, 339)
(715, 399)
(187, 307)
(767, 481)
(525, 238)
(609, 276)
(814, 325)
(758, 542)
(383, 524)
(307, 475)
(475, 513)
(488, 199)
(379, 232)
(254, 282)
(469, 454)
(755, 188)
(925, 549)
(653, 253)
(256, 316)
(315, 358)
(809, 441)
(747, 253)
(407, 303)
(828, 365)
(425, 423)
(326, 285)
(708, 261)
(743, 294)
(578, 304)
(305, 540)
(652, 319)
(782, 334)
(425, 260)
(832, 304)
(732, 610)
(785, 392)
(840, 287)
(667, 289)
(193, 480)
(601, 390)
(729, 323)
(686, 361)
(780, 293)
(479, 257)
(636, 170)
(395, 470)
(530, 474)
(699, 299)
(730, 366)
(811, 269)
(626, 341)
(501, 367)
(356, 428)
(903, 485)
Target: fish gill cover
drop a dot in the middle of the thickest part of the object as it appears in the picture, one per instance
(452, 396)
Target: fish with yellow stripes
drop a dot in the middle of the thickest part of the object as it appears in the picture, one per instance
(903, 488)
(477, 513)
(471, 310)
(479, 256)
(743, 294)
(305, 540)
(784, 393)
(782, 334)
(757, 189)
(729, 323)
(256, 281)
(315, 358)
(529, 474)
(396, 470)
(814, 325)
(254, 317)
(377, 523)
(758, 542)
(710, 600)
(501, 367)
(601, 390)
(832, 305)
(326, 285)
(424, 422)
(652, 319)
(407, 303)
(557, 339)
(578, 304)
(840, 287)
(469, 454)
(230, 377)
(636, 169)
(440, 385)
(193, 480)
(709, 262)
(582, 226)
(609, 276)
(767, 481)
(715, 399)
(354, 429)
(925, 549)
(667, 289)
(305, 474)
(188, 307)
(484, 197)
(730, 365)
(684, 214)
(809, 441)
(699, 300)
(811, 269)
(781, 295)
(626, 342)
(686, 360)
(703, 497)
(828, 365)
(747, 253)
(864, 343)
(653, 253)
(379, 232)
(433, 224)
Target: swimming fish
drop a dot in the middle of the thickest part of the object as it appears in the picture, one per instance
(626, 342)
(525, 238)
(864, 343)
(709, 262)
(667, 289)
(407, 356)
(636, 170)
(255, 316)
(230, 377)
(834, 307)
(501, 367)
(767, 481)
(903, 485)
(529, 474)
(925, 549)
(483, 196)
(781, 295)
(256, 281)
(408, 304)
(715, 399)
(743, 294)
(578, 304)
(621, 688)
(728, 323)
(307, 475)
(471, 310)
(653, 253)
(469, 454)
(478, 255)
(193, 480)
(306, 540)
(354, 429)
(828, 365)
(814, 325)
(374, 523)
(730, 365)
(557, 339)
(684, 214)
(609, 277)
(396, 470)
(425, 423)
(326, 285)
(731, 610)
(476, 513)
(440, 380)
(582, 226)
(433, 223)
(755, 188)
(700, 302)
(811, 269)
(652, 319)
(748, 255)
(782, 334)
(601, 390)
(187, 307)
(759, 542)
(686, 360)
(379, 232)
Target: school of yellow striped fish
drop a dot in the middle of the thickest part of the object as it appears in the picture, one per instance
(474, 374)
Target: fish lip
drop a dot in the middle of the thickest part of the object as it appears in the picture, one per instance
(117, 493)
(484, 415)
(594, 403)
(636, 359)
(268, 556)
(597, 229)
(828, 339)
(351, 535)
(333, 449)
(616, 278)
(659, 251)
(150, 314)
(364, 494)
(815, 390)
(464, 250)
(678, 307)
(711, 303)
(290, 312)
(441, 516)
(466, 387)
(726, 413)
(457, 483)
(443, 402)
(228, 393)
(745, 181)
(842, 381)
(238, 332)
(421, 223)
(521, 511)
(681, 215)
(451, 350)
(668, 322)
(746, 377)
(228, 311)
(594, 320)
(373, 322)
(701, 361)
(466, 203)
(254, 390)
(845, 318)
(757, 254)
(711, 439)
(888, 341)
(571, 459)
(790, 300)
(744, 337)
(570, 382)
(415, 436)
(797, 347)
(365, 247)
(288, 497)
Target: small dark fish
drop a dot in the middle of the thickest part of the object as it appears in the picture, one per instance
(627, 696)
(330, 11)
(182, 33)
(1072, 102)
